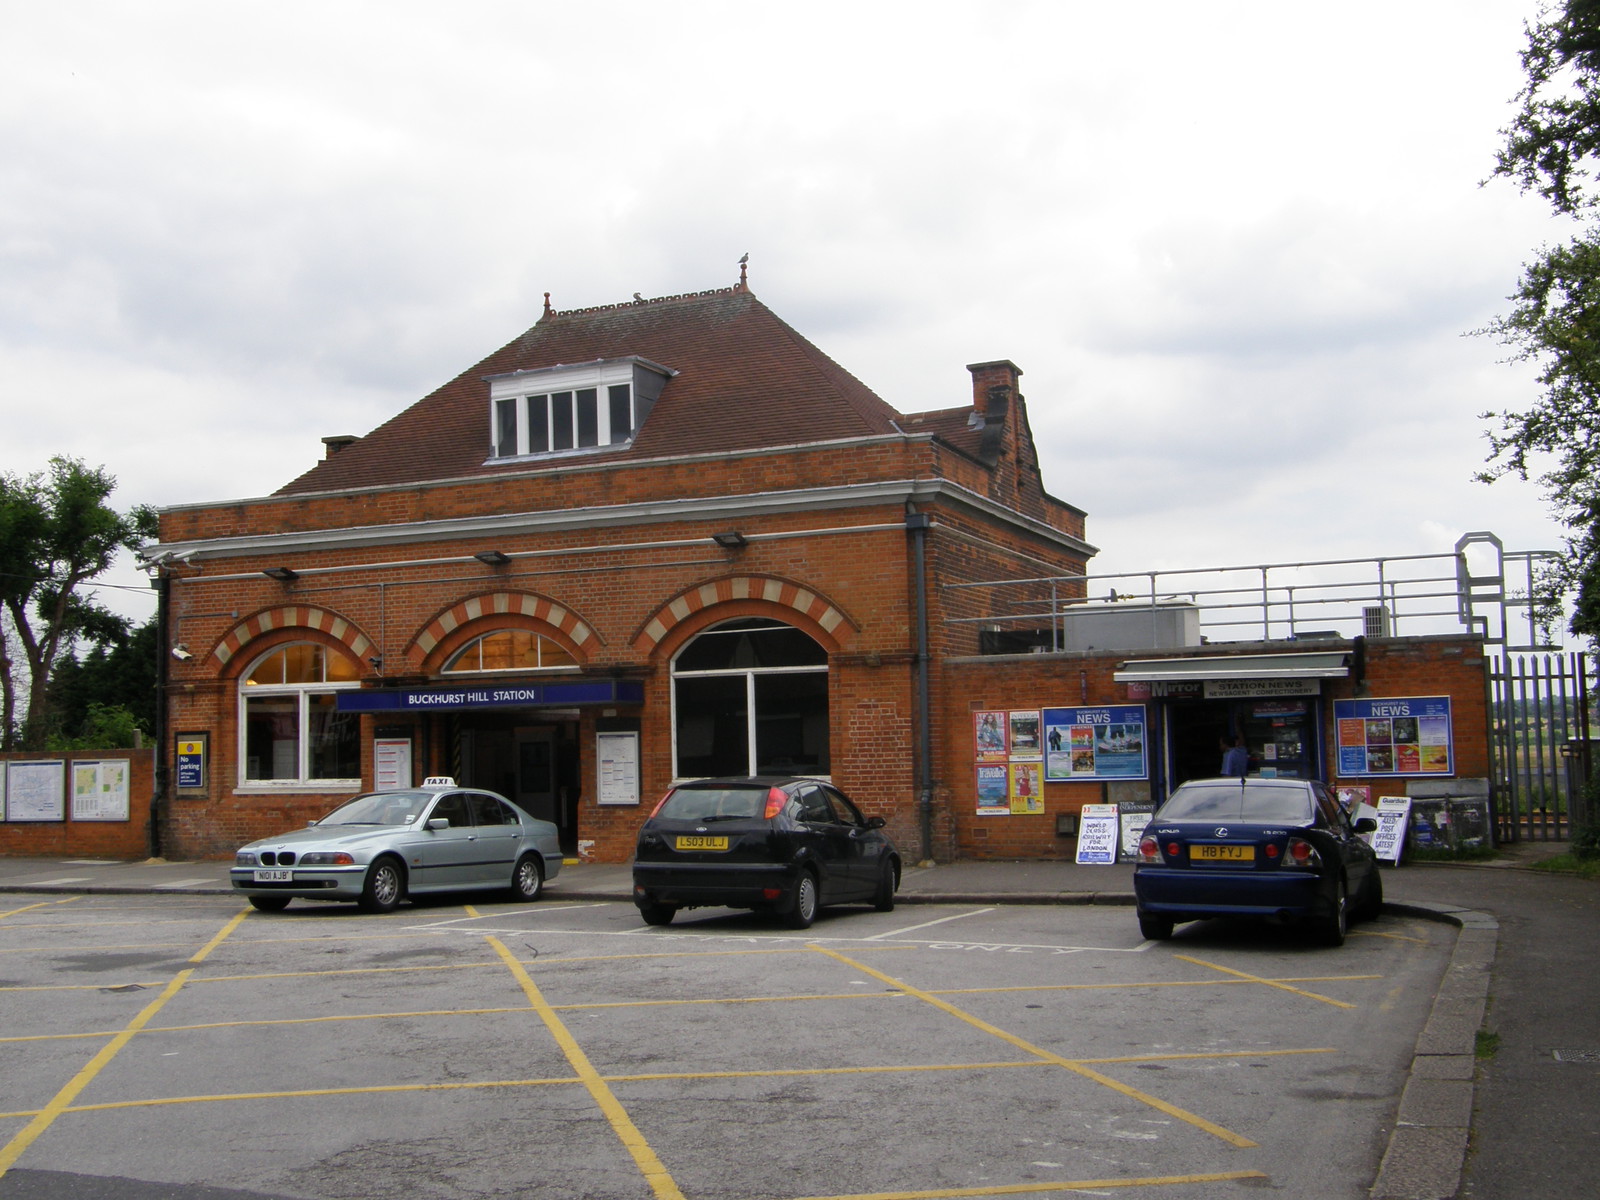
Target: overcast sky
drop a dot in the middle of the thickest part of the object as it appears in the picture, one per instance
(1236, 248)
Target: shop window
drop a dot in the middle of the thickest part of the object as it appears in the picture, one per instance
(750, 697)
(510, 650)
(290, 728)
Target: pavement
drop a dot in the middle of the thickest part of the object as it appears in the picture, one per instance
(1513, 1113)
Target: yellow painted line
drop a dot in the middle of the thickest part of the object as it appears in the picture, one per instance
(640, 1077)
(40, 904)
(205, 951)
(1273, 983)
(1072, 1065)
(470, 911)
(1176, 983)
(655, 1173)
(1075, 1185)
(1398, 937)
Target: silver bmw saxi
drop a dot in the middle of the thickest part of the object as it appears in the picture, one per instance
(383, 846)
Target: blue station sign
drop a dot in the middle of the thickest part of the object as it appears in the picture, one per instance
(542, 694)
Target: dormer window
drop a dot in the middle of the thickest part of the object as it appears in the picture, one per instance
(571, 409)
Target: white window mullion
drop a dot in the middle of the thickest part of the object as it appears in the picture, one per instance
(750, 721)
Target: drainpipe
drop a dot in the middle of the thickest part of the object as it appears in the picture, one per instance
(917, 525)
(158, 794)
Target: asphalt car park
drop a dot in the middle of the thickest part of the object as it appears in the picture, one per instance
(464, 1048)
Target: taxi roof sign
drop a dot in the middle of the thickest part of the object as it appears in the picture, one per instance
(439, 781)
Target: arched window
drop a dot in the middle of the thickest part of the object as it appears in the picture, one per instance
(750, 697)
(510, 650)
(290, 730)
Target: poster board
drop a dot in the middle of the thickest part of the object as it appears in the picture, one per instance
(36, 790)
(1097, 835)
(1106, 742)
(1394, 814)
(1395, 735)
(100, 790)
(391, 763)
(617, 766)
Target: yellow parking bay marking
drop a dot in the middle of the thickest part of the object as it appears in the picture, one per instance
(41, 904)
(1075, 1185)
(1273, 983)
(62, 1099)
(1030, 1064)
(1072, 1065)
(655, 1173)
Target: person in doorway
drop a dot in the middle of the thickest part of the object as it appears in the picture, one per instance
(1235, 758)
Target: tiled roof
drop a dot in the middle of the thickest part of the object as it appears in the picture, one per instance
(745, 380)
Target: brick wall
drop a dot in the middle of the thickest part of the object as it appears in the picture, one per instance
(128, 839)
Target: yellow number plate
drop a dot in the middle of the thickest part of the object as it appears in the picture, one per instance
(1223, 853)
(686, 842)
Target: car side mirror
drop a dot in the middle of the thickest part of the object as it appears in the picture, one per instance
(876, 822)
(1366, 825)
(438, 822)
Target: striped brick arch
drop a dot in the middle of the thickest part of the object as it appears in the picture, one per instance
(294, 616)
(502, 603)
(745, 589)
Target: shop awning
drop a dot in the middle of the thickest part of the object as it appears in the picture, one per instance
(1233, 666)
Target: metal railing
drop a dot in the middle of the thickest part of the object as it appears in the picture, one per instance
(1393, 595)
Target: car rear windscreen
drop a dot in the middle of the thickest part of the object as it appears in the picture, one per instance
(1237, 802)
(697, 804)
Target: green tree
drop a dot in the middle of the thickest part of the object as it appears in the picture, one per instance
(56, 533)
(120, 677)
(1553, 148)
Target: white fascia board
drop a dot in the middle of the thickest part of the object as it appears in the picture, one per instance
(721, 508)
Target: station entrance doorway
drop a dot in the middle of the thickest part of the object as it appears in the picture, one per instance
(1281, 734)
(528, 757)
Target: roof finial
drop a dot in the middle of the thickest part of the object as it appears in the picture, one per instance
(743, 259)
(547, 309)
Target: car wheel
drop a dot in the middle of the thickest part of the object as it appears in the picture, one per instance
(888, 881)
(657, 914)
(1372, 897)
(527, 881)
(384, 886)
(1155, 929)
(269, 903)
(1332, 928)
(803, 910)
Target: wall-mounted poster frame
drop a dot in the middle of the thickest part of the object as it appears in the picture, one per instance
(1107, 742)
(36, 790)
(617, 766)
(1394, 735)
(1024, 735)
(994, 789)
(989, 741)
(100, 790)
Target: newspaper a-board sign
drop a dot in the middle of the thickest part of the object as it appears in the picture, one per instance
(1393, 814)
(1133, 818)
(1097, 835)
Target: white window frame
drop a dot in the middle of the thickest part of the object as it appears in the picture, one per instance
(752, 717)
(302, 692)
(525, 388)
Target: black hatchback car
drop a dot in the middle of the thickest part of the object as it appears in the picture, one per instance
(1255, 847)
(780, 845)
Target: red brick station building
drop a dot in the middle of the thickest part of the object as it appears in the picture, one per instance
(672, 538)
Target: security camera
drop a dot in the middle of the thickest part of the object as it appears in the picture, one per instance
(181, 653)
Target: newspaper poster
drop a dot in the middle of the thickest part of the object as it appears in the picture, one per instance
(989, 741)
(994, 795)
(1397, 735)
(1097, 835)
(1393, 814)
(1023, 732)
(1027, 792)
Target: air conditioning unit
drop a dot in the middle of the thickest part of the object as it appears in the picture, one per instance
(1375, 621)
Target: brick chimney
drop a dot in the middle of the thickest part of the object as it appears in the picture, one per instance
(337, 443)
(993, 386)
